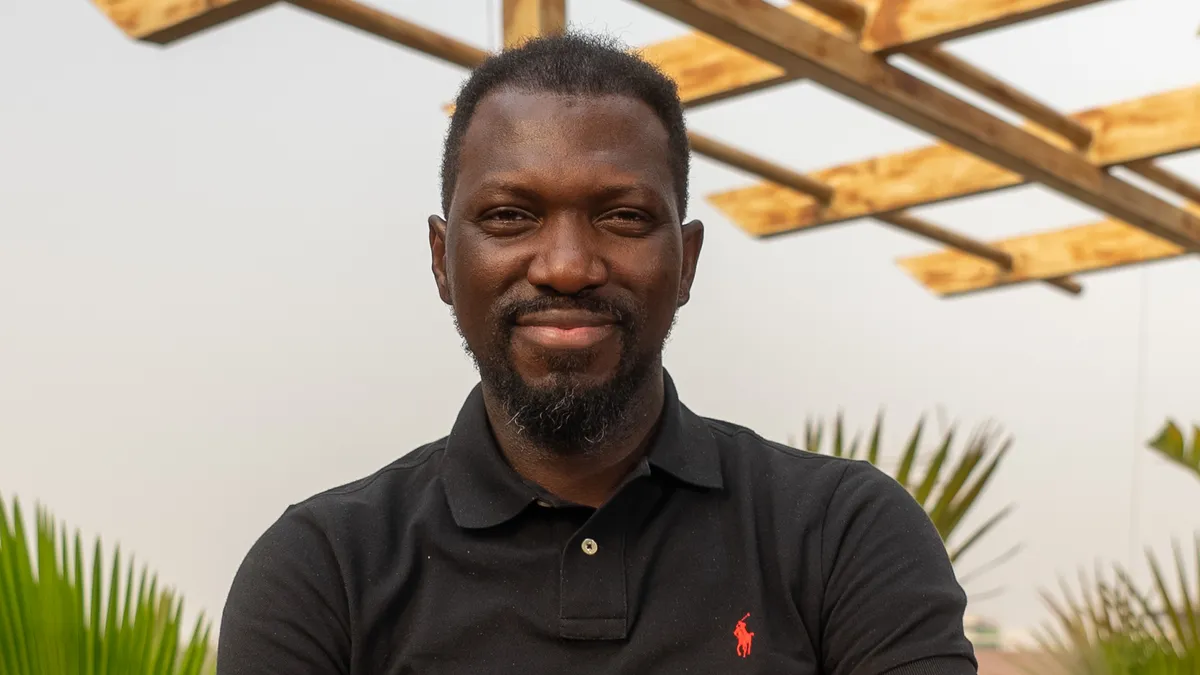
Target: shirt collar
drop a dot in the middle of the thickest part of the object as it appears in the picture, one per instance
(484, 491)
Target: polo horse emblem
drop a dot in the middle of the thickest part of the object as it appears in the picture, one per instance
(744, 637)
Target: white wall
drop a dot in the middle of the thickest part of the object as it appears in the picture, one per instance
(215, 297)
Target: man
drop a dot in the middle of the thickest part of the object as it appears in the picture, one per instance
(579, 518)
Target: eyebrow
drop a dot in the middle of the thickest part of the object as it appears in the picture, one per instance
(614, 191)
(493, 186)
(604, 193)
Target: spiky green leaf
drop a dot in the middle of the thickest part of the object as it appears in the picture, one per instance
(55, 620)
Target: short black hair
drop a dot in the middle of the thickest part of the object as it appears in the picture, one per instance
(571, 64)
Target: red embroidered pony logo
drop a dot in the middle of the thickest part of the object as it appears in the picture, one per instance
(744, 637)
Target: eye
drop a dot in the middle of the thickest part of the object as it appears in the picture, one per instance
(507, 220)
(628, 214)
(627, 220)
(507, 215)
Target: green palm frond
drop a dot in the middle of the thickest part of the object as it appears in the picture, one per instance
(1171, 444)
(54, 619)
(946, 482)
(1121, 628)
(1117, 628)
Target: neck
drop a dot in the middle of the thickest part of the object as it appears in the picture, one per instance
(589, 478)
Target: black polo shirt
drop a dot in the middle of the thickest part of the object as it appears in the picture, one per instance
(722, 553)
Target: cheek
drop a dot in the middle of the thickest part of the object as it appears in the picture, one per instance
(477, 279)
(657, 286)
(467, 271)
(667, 271)
(665, 301)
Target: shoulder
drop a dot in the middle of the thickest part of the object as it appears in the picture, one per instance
(358, 510)
(750, 456)
(836, 491)
(396, 481)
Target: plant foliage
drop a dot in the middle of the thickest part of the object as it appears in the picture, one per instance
(1116, 628)
(1119, 628)
(1171, 444)
(58, 617)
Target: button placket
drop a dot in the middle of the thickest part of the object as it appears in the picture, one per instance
(594, 597)
(593, 581)
(592, 601)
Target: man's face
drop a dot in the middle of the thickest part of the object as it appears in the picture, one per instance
(563, 256)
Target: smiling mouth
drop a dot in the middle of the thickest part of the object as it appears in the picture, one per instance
(565, 329)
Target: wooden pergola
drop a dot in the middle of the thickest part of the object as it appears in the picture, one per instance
(742, 46)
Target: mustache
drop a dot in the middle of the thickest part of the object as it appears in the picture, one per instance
(594, 304)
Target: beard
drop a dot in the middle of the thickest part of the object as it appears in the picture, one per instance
(568, 413)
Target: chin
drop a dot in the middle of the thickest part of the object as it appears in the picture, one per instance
(550, 379)
(554, 368)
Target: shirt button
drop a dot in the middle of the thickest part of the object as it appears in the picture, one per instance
(590, 546)
(543, 503)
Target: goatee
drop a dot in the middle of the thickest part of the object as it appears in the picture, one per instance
(567, 415)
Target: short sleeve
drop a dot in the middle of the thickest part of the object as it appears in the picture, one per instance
(287, 611)
(892, 604)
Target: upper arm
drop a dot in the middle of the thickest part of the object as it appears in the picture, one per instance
(892, 603)
(287, 611)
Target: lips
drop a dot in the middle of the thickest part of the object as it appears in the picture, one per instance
(565, 329)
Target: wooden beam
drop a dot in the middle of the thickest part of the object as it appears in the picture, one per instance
(898, 26)
(957, 241)
(165, 21)
(524, 19)
(704, 68)
(397, 30)
(1166, 178)
(846, 12)
(780, 175)
(1143, 128)
(772, 34)
(1103, 245)
(707, 70)
(1066, 284)
(1003, 93)
(999, 258)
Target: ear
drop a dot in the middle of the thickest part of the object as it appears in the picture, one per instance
(693, 241)
(437, 251)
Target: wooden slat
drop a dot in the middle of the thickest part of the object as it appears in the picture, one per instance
(1124, 132)
(164, 21)
(1103, 245)
(524, 19)
(900, 220)
(772, 34)
(1166, 178)
(708, 70)
(397, 30)
(1004, 93)
(965, 244)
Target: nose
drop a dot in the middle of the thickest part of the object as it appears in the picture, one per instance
(568, 259)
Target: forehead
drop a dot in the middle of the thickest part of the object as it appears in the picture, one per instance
(567, 140)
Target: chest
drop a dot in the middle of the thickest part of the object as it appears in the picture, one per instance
(630, 591)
